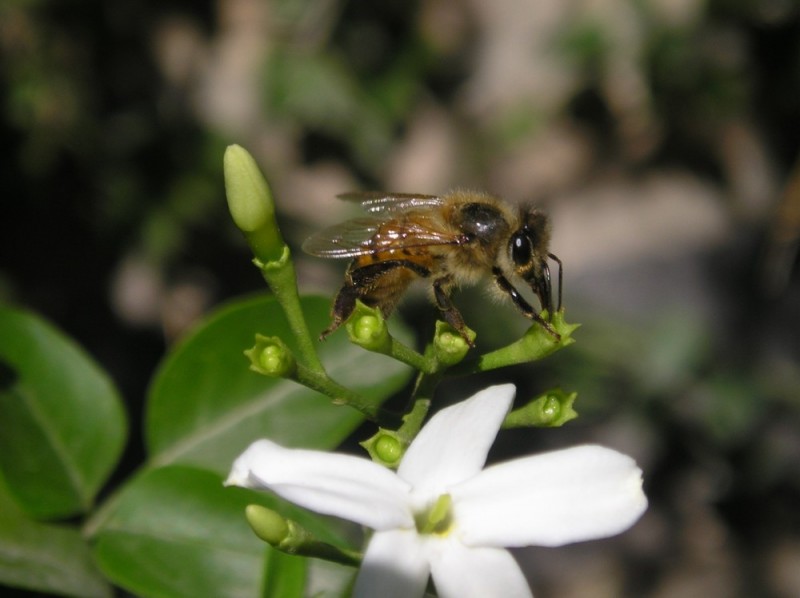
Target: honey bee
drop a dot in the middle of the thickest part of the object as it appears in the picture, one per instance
(450, 240)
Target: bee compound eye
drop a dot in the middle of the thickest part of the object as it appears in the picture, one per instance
(521, 249)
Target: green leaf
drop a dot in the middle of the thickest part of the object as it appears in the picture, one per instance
(43, 557)
(176, 531)
(62, 425)
(205, 406)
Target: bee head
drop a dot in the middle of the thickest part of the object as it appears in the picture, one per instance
(528, 249)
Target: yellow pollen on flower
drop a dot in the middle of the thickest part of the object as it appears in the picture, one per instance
(438, 519)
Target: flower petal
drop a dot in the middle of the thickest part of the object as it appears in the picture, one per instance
(334, 484)
(463, 572)
(577, 494)
(453, 445)
(394, 566)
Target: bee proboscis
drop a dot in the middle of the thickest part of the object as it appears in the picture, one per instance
(450, 240)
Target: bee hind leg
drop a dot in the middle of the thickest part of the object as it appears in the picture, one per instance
(342, 309)
(376, 285)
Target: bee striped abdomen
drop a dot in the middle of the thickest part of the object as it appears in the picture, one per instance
(393, 242)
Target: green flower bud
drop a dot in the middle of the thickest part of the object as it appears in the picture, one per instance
(550, 410)
(267, 524)
(270, 356)
(389, 449)
(367, 328)
(290, 537)
(449, 346)
(251, 205)
(386, 447)
(539, 342)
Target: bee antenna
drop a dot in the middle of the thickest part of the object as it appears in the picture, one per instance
(560, 277)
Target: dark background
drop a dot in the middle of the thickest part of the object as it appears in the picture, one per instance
(661, 136)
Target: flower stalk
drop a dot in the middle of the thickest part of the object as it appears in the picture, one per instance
(367, 328)
(549, 410)
(387, 447)
(290, 537)
(253, 211)
(270, 356)
(537, 343)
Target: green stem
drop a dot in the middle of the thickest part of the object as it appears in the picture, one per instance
(413, 420)
(327, 552)
(290, 537)
(409, 356)
(537, 343)
(421, 396)
(321, 382)
(282, 280)
(367, 328)
(512, 354)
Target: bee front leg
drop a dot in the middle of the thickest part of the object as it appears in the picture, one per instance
(521, 304)
(441, 292)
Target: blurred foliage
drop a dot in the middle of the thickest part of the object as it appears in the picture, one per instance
(115, 115)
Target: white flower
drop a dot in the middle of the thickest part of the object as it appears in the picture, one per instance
(442, 514)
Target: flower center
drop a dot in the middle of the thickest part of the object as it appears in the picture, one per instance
(438, 519)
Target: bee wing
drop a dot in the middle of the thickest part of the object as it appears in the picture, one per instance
(368, 235)
(376, 202)
(343, 240)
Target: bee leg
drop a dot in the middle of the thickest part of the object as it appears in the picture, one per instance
(521, 304)
(343, 307)
(371, 285)
(560, 276)
(441, 292)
